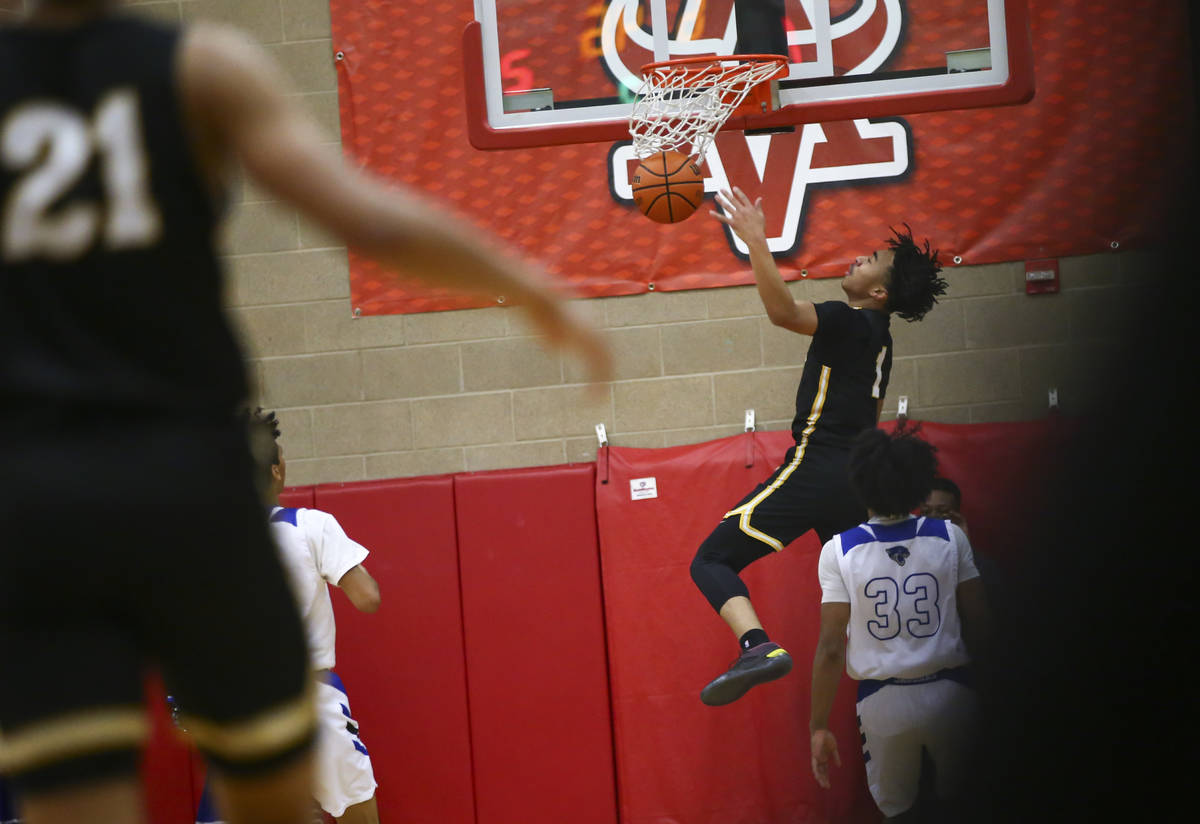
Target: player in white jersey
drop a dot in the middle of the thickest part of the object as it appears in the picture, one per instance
(898, 593)
(316, 552)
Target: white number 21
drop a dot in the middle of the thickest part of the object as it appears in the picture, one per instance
(53, 145)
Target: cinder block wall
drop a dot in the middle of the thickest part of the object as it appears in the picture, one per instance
(400, 395)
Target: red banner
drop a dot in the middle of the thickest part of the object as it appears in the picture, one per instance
(1093, 163)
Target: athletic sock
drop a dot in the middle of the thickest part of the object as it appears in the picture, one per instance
(752, 638)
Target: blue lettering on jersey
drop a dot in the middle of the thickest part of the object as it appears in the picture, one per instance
(285, 515)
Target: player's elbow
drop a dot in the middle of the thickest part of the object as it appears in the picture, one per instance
(782, 316)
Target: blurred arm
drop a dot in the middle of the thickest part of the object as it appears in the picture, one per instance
(236, 97)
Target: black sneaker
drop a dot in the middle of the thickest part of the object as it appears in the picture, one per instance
(757, 665)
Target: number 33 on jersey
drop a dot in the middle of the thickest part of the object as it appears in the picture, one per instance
(899, 577)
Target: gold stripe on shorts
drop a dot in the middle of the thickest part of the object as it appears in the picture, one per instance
(260, 736)
(747, 509)
(71, 735)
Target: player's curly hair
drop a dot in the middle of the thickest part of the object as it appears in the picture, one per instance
(892, 474)
(263, 431)
(913, 284)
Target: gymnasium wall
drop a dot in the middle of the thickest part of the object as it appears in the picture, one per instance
(540, 648)
(410, 395)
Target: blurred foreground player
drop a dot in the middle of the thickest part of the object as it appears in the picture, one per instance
(127, 486)
(841, 393)
(907, 589)
(316, 552)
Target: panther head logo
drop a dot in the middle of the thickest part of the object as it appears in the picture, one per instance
(897, 553)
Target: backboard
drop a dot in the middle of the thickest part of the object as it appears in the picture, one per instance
(553, 72)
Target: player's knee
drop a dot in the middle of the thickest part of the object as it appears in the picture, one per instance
(697, 569)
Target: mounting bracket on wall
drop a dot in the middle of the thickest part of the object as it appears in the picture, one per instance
(902, 408)
(749, 420)
(602, 454)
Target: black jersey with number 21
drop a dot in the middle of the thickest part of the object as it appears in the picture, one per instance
(110, 292)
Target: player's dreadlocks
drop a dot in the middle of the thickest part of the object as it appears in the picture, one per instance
(263, 431)
(913, 285)
(892, 474)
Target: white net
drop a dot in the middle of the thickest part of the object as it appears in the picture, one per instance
(682, 105)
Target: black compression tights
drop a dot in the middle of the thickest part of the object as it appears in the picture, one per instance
(725, 553)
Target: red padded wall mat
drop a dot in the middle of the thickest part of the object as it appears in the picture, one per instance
(403, 666)
(678, 760)
(538, 682)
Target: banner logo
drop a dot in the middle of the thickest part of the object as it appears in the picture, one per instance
(780, 168)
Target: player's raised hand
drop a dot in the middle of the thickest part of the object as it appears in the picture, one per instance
(824, 745)
(745, 218)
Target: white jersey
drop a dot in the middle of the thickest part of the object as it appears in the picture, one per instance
(900, 578)
(315, 552)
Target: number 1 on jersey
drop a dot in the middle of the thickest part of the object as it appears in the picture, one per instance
(878, 371)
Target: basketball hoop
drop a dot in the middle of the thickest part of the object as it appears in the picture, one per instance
(683, 103)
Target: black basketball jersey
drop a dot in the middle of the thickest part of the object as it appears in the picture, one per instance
(110, 288)
(846, 373)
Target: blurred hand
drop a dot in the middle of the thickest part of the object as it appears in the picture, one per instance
(564, 329)
(824, 745)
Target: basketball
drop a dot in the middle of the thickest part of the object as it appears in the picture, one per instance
(668, 187)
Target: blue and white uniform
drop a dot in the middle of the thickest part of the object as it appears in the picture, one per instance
(905, 648)
(316, 552)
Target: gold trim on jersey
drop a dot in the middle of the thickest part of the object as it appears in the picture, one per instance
(72, 735)
(264, 735)
(746, 510)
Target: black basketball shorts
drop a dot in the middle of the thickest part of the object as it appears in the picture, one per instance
(134, 545)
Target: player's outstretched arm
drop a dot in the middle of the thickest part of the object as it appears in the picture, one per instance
(361, 589)
(236, 100)
(746, 220)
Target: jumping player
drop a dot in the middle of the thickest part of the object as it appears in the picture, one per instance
(841, 393)
(317, 552)
(908, 590)
(127, 487)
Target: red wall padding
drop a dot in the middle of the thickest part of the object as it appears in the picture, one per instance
(403, 666)
(538, 681)
(298, 496)
(482, 685)
(677, 759)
